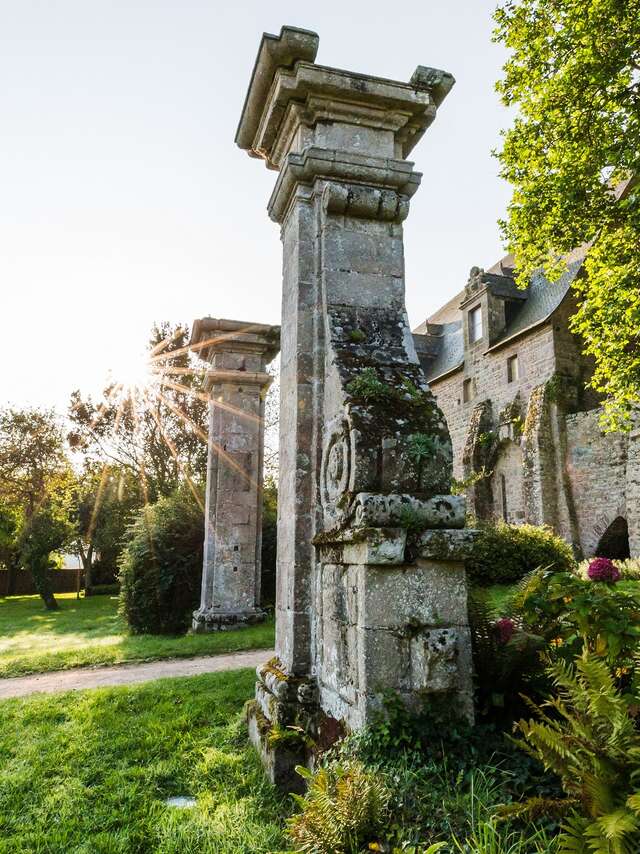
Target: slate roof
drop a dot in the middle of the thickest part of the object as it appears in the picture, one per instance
(444, 349)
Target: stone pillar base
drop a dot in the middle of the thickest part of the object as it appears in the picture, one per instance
(279, 757)
(286, 726)
(212, 620)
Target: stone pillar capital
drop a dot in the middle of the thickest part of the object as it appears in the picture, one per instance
(292, 103)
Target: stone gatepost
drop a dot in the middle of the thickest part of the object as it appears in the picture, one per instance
(236, 383)
(371, 590)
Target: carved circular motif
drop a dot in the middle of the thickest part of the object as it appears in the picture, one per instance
(336, 464)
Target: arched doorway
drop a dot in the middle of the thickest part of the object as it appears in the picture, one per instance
(614, 543)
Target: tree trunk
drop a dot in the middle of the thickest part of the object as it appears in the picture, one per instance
(42, 583)
(87, 565)
(12, 575)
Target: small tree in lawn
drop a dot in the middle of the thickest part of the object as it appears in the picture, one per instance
(46, 532)
(34, 484)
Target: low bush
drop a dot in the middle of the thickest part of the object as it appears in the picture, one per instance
(442, 780)
(575, 614)
(587, 735)
(505, 553)
(161, 566)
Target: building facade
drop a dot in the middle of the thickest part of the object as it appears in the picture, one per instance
(511, 380)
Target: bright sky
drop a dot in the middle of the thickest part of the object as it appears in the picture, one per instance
(123, 199)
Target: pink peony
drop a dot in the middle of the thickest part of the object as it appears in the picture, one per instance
(603, 569)
(505, 628)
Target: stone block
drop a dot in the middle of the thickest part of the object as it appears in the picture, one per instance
(427, 593)
(445, 545)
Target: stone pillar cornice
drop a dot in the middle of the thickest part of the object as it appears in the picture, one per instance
(211, 336)
(288, 91)
(245, 378)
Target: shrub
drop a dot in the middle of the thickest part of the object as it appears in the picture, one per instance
(589, 738)
(506, 553)
(345, 809)
(161, 566)
(574, 614)
(629, 569)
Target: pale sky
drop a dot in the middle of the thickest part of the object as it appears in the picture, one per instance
(123, 199)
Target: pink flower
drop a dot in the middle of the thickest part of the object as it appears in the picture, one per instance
(505, 628)
(603, 569)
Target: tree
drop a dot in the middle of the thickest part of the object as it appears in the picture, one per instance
(34, 486)
(104, 501)
(47, 531)
(157, 431)
(573, 156)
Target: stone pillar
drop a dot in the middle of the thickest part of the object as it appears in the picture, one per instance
(238, 354)
(367, 599)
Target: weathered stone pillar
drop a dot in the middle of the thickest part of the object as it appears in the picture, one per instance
(371, 591)
(238, 354)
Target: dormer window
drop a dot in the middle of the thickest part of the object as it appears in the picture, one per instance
(475, 324)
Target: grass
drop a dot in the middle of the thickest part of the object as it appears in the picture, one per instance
(90, 631)
(88, 772)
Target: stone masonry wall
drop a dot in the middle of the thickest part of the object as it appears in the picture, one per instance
(596, 465)
(537, 362)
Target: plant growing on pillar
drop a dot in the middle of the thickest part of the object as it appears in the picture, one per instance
(368, 387)
(420, 448)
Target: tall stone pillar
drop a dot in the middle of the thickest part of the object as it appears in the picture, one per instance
(237, 381)
(371, 591)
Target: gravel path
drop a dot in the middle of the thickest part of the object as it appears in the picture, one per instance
(128, 674)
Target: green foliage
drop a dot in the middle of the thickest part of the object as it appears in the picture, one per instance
(357, 336)
(344, 810)
(572, 72)
(588, 737)
(459, 487)
(9, 528)
(574, 614)
(47, 531)
(89, 772)
(161, 566)
(503, 553)
(504, 667)
(443, 777)
(367, 387)
(269, 541)
(104, 501)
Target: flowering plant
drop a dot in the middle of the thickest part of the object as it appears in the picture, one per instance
(505, 629)
(603, 569)
(574, 614)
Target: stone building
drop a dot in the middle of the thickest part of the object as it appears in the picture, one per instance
(511, 379)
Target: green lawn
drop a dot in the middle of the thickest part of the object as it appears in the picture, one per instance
(88, 772)
(90, 631)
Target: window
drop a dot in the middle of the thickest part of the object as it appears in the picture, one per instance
(503, 491)
(468, 391)
(475, 324)
(513, 369)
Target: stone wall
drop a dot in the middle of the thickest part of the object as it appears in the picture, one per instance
(597, 469)
(488, 371)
